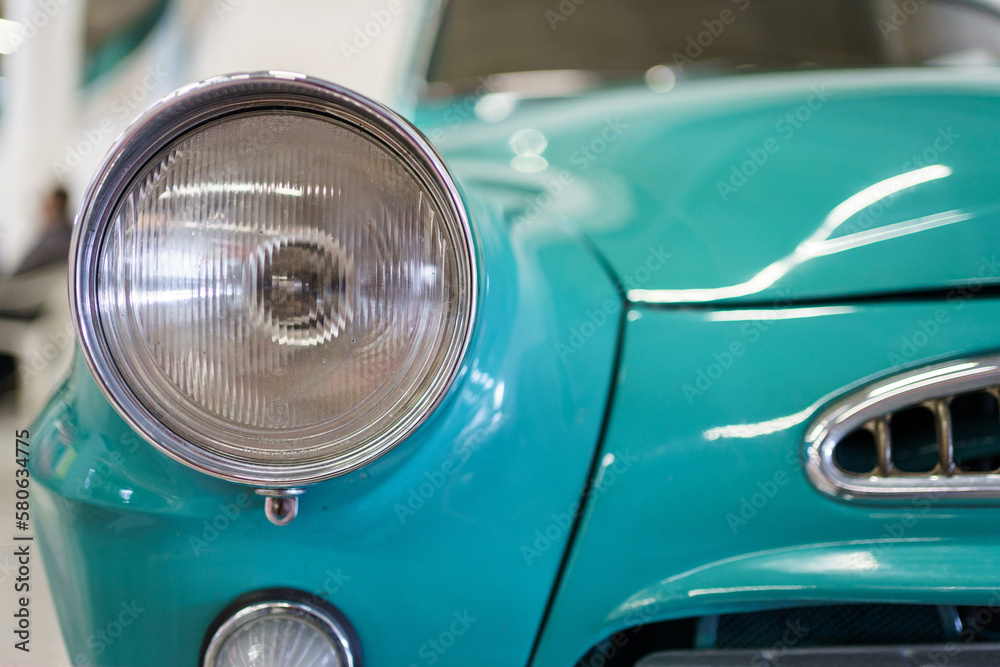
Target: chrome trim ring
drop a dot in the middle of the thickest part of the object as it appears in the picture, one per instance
(190, 108)
(318, 614)
(929, 387)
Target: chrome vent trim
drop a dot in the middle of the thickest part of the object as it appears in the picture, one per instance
(872, 409)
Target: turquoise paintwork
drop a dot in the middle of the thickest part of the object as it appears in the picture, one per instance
(650, 170)
(686, 442)
(431, 530)
(716, 513)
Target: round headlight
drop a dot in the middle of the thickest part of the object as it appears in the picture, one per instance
(281, 628)
(274, 278)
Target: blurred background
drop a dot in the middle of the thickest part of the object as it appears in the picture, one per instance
(73, 75)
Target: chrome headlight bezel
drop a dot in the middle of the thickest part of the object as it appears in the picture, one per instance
(319, 613)
(182, 112)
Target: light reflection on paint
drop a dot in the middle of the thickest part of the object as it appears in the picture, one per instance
(820, 244)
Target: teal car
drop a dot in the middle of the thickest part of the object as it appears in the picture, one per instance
(652, 333)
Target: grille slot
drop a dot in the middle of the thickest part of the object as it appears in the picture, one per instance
(933, 431)
(949, 436)
(912, 443)
(976, 431)
(858, 453)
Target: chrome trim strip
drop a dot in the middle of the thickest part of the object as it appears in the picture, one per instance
(181, 112)
(946, 448)
(931, 387)
(883, 444)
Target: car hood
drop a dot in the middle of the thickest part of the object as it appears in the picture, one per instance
(756, 188)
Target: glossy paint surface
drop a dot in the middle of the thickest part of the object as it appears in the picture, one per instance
(711, 509)
(420, 550)
(507, 454)
(886, 185)
(762, 188)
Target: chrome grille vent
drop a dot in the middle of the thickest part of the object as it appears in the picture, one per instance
(930, 432)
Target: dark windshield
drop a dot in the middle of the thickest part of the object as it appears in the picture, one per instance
(622, 39)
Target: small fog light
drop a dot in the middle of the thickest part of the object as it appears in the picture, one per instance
(281, 628)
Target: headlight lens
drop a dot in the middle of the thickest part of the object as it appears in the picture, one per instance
(274, 295)
(281, 631)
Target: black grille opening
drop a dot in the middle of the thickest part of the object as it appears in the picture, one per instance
(759, 638)
(857, 454)
(840, 625)
(975, 428)
(914, 440)
(980, 624)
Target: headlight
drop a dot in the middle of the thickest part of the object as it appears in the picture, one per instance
(274, 278)
(281, 628)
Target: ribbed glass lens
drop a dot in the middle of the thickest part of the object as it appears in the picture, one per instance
(278, 641)
(279, 287)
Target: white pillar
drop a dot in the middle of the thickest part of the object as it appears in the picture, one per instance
(41, 96)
